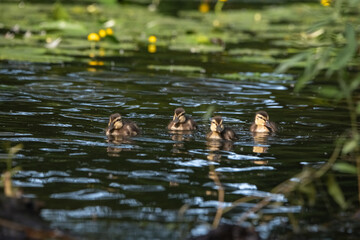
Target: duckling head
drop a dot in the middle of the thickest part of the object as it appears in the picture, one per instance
(262, 119)
(217, 124)
(115, 121)
(179, 116)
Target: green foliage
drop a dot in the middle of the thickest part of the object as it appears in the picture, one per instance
(344, 168)
(350, 145)
(59, 12)
(345, 55)
(332, 61)
(335, 191)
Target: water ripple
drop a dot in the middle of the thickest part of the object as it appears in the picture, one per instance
(88, 194)
(138, 188)
(195, 163)
(257, 193)
(246, 169)
(242, 157)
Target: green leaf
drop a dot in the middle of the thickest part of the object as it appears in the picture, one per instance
(311, 70)
(358, 108)
(347, 53)
(112, 39)
(355, 83)
(291, 62)
(59, 12)
(335, 191)
(345, 168)
(349, 146)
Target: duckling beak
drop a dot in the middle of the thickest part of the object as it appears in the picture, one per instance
(111, 126)
(267, 124)
(176, 120)
(218, 129)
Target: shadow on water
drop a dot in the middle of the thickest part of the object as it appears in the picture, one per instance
(110, 188)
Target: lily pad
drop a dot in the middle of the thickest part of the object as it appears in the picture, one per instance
(256, 76)
(177, 68)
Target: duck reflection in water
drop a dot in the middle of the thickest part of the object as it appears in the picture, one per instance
(219, 138)
(119, 132)
(261, 129)
(180, 137)
(181, 127)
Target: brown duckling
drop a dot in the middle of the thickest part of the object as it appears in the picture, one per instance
(118, 127)
(262, 123)
(181, 122)
(218, 131)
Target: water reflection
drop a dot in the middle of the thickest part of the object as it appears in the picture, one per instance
(180, 137)
(118, 144)
(260, 142)
(214, 146)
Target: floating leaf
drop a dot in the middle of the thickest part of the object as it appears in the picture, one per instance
(345, 168)
(335, 191)
(177, 68)
(256, 76)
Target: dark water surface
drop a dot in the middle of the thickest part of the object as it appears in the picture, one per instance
(135, 189)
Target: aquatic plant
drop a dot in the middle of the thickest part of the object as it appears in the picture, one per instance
(334, 62)
(10, 170)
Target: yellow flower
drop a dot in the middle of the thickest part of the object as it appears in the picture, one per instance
(93, 37)
(96, 63)
(102, 33)
(152, 48)
(204, 7)
(109, 31)
(326, 3)
(223, 0)
(152, 39)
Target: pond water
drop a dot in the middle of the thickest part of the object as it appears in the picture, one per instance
(159, 184)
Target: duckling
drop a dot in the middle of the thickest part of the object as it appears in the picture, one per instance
(118, 127)
(218, 131)
(262, 123)
(181, 122)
